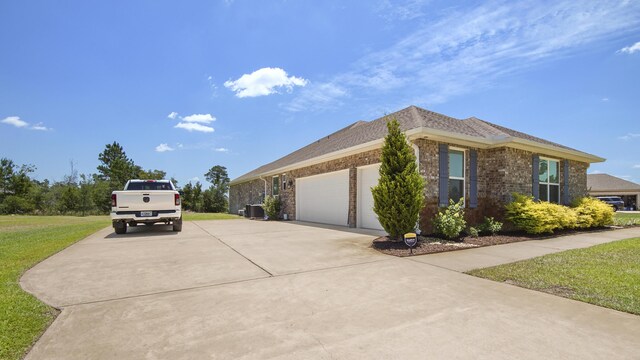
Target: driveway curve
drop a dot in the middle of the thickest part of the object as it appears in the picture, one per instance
(244, 289)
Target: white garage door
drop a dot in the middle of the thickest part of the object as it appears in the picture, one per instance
(367, 178)
(323, 198)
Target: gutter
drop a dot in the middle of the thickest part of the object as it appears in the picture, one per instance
(510, 141)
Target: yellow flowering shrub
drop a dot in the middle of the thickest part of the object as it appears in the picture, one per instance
(538, 217)
(592, 212)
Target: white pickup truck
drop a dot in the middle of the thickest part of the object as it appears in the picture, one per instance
(148, 202)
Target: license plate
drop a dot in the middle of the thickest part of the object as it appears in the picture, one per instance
(146, 213)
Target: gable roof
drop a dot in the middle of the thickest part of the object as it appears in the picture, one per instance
(416, 123)
(606, 182)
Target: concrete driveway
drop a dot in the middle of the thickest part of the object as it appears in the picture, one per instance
(255, 290)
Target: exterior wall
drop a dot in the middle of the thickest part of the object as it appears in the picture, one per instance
(250, 192)
(577, 180)
(490, 182)
(287, 194)
(501, 172)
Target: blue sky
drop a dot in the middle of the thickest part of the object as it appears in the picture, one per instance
(183, 86)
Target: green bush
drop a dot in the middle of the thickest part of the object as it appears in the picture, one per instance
(450, 221)
(271, 207)
(473, 232)
(544, 217)
(13, 204)
(592, 212)
(490, 226)
(539, 217)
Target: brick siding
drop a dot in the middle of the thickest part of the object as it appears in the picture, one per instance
(501, 172)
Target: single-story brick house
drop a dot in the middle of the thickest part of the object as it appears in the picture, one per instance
(608, 185)
(329, 181)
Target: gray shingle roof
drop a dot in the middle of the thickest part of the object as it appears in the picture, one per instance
(409, 118)
(606, 182)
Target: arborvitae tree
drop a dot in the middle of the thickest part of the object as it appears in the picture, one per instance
(399, 195)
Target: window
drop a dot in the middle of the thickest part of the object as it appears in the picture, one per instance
(275, 186)
(149, 185)
(549, 184)
(456, 175)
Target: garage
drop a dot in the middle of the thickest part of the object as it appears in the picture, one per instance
(367, 178)
(323, 198)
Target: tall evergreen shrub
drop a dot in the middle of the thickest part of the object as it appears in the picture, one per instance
(399, 195)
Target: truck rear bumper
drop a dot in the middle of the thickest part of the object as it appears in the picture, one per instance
(136, 216)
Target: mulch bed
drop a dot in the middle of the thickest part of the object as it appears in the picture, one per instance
(431, 244)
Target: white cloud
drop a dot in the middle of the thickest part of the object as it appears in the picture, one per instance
(401, 10)
(15, 121)
(180, 145)
(467, 49)
(604, 99)
(262, 82)
(199, 118)
(192, 122)
(164, 147)
(221, 149)
(195, 178)
(596, 172)
(40, 127)
(636, 166)
(191, 126)
(318, 96)
(630, 49)
(629, 136)
(19, 123)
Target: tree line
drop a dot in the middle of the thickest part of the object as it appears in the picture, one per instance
(90, 194)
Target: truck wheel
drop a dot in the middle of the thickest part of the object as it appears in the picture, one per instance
(177, 225)
(120, 227)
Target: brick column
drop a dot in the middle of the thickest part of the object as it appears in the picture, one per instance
(353, 196)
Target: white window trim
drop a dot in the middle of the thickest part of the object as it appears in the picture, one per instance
(464, 173)
(547, 183)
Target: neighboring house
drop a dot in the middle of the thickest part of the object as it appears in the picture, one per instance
(329, 181)
(607, 185)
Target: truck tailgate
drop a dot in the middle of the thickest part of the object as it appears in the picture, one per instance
(146, 200)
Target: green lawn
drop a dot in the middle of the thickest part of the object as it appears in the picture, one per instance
(191, 216)
(626, 219)
(25, 241)
(607, 275)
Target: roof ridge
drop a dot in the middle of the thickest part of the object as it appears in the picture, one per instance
(348, 127)
(411, 117)
(485, 125)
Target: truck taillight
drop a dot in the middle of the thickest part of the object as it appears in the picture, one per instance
(114, 200)
(177, 197)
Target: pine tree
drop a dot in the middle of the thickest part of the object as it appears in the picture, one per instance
(399, 195)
